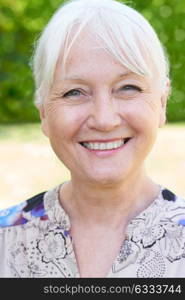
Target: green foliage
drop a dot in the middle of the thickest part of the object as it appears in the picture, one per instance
(21, 22)
(167, 17)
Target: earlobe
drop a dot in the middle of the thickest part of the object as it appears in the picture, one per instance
(42, 112)
(162, 119)
(164, 99)
(44, 124)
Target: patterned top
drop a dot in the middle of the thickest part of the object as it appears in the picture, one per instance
(35, 240)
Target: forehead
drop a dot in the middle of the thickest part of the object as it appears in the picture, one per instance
(89, 55)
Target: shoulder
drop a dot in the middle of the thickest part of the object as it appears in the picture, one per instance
(169, 195)
(173, 206)
(23, 212)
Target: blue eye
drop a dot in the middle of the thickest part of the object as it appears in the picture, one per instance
(72, 93)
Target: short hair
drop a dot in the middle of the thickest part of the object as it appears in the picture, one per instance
(121, 30)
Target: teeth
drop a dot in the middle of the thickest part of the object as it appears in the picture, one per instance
(104, 146)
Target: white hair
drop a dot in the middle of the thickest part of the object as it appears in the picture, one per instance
(121, 30)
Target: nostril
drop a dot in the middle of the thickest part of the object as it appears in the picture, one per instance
(104, 121)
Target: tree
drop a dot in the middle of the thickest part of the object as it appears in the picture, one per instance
(21, 23)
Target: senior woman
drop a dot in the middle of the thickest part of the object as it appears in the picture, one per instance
(101, 89)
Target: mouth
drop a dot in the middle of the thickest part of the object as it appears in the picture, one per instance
(105, 145)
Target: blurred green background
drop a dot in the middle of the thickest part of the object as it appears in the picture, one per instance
(21, 21)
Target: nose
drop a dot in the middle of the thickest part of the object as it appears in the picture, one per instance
(104, 115)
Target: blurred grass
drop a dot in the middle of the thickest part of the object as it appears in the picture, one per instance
(21, 132)
(29, 166)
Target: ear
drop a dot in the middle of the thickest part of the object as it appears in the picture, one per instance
(164, 99)
(44, 122)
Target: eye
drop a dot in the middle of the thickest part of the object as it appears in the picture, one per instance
(72, 93)
(130, 87)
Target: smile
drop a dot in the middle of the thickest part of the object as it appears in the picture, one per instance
(105, 145)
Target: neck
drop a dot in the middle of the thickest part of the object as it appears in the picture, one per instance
(112, 205)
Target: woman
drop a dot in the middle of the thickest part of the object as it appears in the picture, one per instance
(102, 84)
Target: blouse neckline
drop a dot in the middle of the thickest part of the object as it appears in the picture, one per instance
(59, 217)
(57, 214)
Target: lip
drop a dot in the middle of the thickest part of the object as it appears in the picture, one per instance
(102, 140)
(106, 153)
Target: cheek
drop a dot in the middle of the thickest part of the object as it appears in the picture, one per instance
(65, 121)
(142, 116)
(144, 123)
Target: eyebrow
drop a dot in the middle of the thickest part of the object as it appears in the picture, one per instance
(77, 78)
(127, 73)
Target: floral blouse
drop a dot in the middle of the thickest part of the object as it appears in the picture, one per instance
(35, 240)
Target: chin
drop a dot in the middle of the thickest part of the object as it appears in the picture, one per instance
(107, 180)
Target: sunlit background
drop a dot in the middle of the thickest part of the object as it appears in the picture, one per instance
(27, 163)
